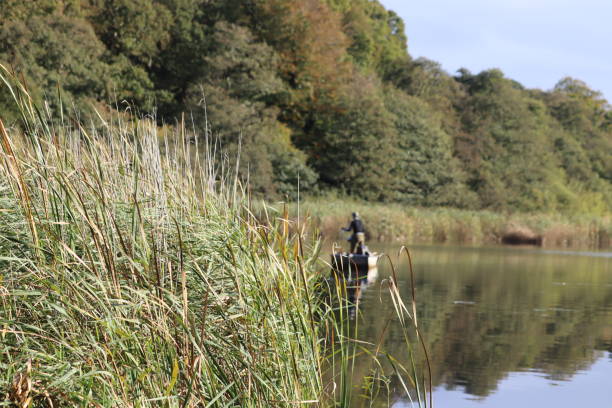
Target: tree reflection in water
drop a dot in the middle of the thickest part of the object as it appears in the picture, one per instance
(488, 312)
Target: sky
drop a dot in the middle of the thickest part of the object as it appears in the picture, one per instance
(536, 42)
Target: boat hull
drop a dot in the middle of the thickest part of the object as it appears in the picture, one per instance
(353, 266)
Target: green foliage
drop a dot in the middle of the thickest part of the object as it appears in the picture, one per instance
(585, 115)
(292, 175)
(234, 96)
(132, 83)
(54, 53)
(138, 29)
(324, 82)
(354, 147)
(507, 145)
(428, 174)
(377, 36)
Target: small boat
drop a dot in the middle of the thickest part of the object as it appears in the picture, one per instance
(354, 266)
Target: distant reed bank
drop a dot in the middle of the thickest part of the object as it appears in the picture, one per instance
(412, 225)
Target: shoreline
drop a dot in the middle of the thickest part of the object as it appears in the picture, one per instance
(395, 223)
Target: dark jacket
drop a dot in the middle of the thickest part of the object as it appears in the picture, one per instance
(355, 226)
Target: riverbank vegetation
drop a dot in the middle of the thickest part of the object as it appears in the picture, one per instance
(324, 91)
(396, 223)
(133, 273)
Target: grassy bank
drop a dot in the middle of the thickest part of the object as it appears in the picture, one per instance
(402, 224)
(123, 288)
(132, 273)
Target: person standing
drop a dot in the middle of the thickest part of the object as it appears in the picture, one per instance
(358, 232)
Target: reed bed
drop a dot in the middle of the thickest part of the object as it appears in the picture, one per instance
(406, 224)
(133, 273)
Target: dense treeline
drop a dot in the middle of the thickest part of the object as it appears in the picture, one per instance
(324, 91)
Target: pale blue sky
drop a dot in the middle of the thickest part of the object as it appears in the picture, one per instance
(536, 42)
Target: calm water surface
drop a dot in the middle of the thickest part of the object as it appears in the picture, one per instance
(504, 327)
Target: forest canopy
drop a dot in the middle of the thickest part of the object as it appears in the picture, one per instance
(324, 91)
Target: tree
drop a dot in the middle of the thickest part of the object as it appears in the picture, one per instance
(235, 95)
(505, 144)
(426, 171)
(378, 40)
(55, 53)
(320, 90)
(182, 60)
(137, 29)
(352, 144)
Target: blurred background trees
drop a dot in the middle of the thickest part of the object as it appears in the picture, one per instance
(323, 91)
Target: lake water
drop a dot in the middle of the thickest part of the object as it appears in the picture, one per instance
(504, 327)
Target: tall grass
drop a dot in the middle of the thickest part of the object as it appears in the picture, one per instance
(133, 273)
(406, 224)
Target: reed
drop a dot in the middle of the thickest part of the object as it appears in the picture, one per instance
(133, 273)
(398, 223)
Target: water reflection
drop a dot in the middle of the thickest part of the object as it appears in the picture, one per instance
(488, 314)
(355, 290)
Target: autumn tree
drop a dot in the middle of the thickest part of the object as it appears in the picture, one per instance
(323, 91)
(235, 97)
